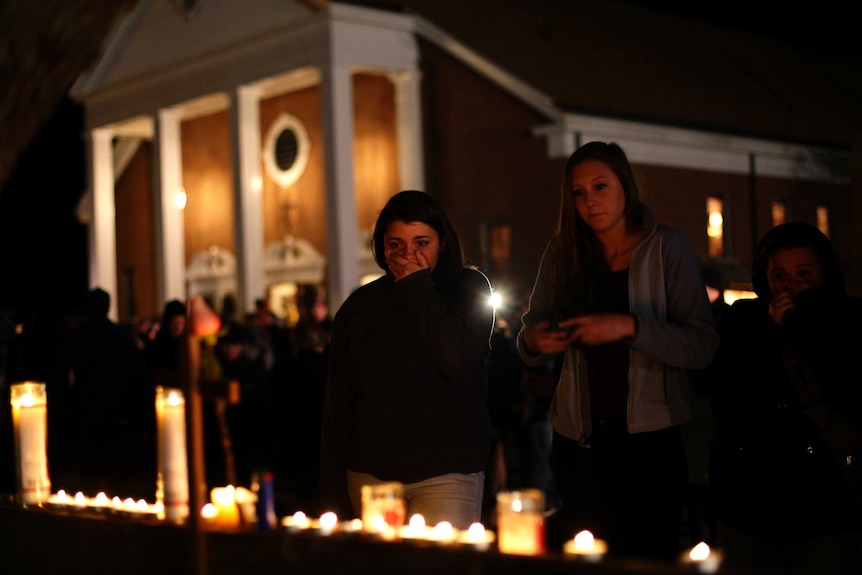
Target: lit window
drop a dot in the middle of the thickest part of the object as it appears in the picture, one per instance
(823, 219)
(779, 212)
(501, 246)
(715, 226)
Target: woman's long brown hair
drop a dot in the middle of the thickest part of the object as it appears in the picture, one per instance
(579, 268)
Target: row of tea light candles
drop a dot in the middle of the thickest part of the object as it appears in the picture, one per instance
(229, 506)
(101, 502)
(520, 513)
(583, 545)
(232, 507)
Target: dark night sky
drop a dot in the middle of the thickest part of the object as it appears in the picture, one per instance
(828, 28)
(43, 253)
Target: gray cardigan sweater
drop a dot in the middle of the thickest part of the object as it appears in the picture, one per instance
(675, 334)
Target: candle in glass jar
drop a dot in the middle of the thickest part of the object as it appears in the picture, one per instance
(521, 522)
(30, 424)
(383, 508)
(172, 486)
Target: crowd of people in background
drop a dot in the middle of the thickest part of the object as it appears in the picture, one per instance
(101, 375)
(621, 385)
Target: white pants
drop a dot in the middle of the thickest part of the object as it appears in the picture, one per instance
(453, 497)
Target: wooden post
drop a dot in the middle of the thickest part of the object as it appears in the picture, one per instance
(195, 442)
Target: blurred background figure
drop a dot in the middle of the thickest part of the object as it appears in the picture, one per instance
(104, 434)
(239, 436)
(505, 369)
(164, 350)
(314, 326)
(301, 390)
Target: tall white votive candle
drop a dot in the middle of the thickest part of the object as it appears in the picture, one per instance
(30, 424)
(172, 484)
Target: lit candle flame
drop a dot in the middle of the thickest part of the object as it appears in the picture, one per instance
(699, 552)
(584, 540)
(328, 521)
(476, 532)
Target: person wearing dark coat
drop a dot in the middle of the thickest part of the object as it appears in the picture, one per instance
(784, 471)
(406, 397)
(107, 408)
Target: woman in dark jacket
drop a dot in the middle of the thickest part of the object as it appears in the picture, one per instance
(788, 409)
(406, 396)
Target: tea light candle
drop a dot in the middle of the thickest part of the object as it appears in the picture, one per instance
(208, 513)
(172, 485)
(586, 547)
(477, 537)
(227, 511)
(352, 528)
(293, 523)
(415, 528)
(30, 428)
(80, 501)
(60, 500)
(101, 502)
(443, 533)
(129, 506)
(702, 559)
(327, 522)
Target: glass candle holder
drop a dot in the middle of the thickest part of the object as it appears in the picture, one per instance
(30, 423)
(521, 522)
(383, 507)
(172, 481)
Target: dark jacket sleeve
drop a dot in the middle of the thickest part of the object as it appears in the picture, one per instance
(455, 321)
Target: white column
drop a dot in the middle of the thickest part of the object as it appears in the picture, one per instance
(99, 209)
(341, 226)
(408, 111)
(248, 200)
(170, 229)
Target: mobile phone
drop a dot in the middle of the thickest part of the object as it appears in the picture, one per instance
(554, 326)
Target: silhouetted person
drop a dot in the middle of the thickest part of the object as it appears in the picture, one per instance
(298, 390)
(106, 408)
(164, 351)
(244, 415)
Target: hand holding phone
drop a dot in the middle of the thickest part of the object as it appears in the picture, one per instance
(555, 327)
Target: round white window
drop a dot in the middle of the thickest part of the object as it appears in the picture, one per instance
(285, 151)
